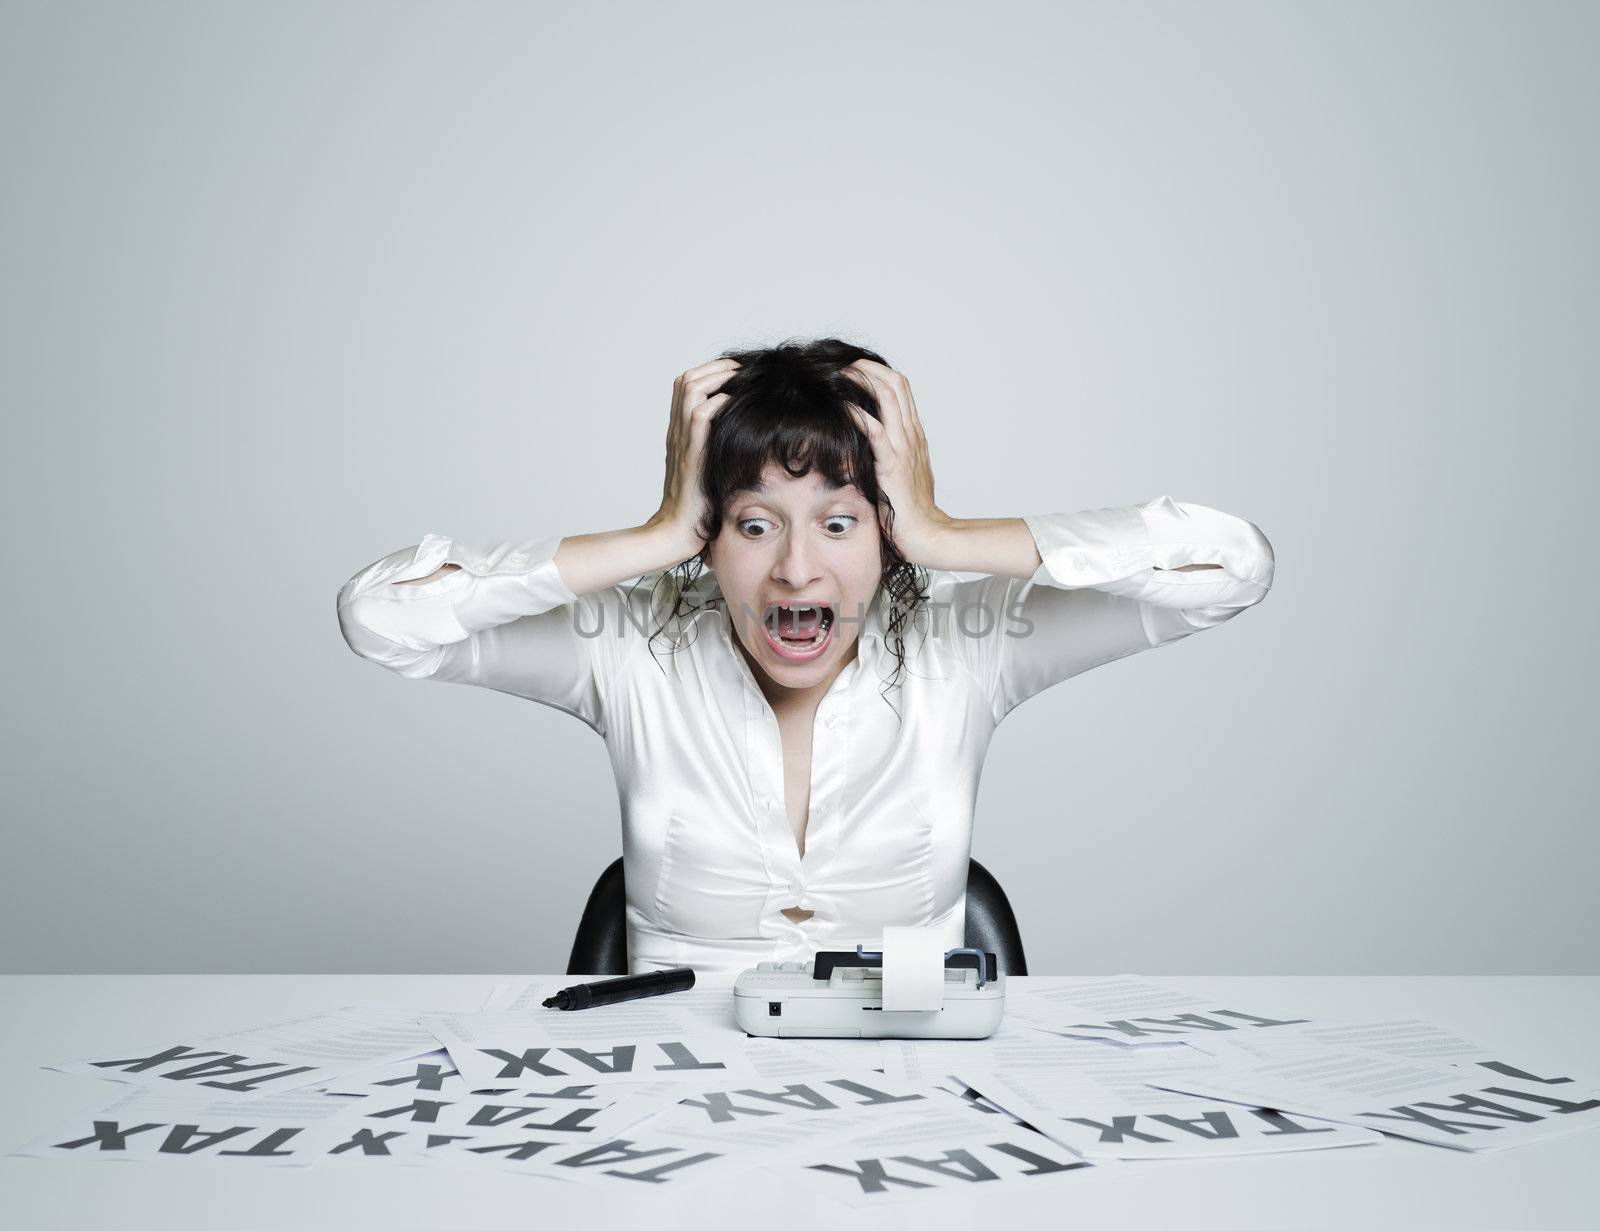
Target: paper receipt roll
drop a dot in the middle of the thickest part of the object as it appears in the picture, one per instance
(913, 970)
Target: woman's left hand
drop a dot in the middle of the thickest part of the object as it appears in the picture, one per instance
(900, 456)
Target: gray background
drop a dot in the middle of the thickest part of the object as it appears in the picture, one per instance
(289, 286)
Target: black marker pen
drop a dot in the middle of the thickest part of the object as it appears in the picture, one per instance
(628, 987)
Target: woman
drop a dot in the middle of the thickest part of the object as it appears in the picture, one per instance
(798, 761)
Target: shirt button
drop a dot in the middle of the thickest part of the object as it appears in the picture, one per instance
(1080, 562)
(832, 720)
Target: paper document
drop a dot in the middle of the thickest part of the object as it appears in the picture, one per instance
(1488, 1105)
(845, 1096)
(933, 1155)
(300, 1051)
(629, 1042)
(1010, 1047)
(291, 1129)
(1130, 1120)
(1129, 1009)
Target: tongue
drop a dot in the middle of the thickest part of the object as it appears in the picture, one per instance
(799, 626)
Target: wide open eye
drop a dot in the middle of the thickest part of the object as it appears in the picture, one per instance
(837, 518)
(752, 521)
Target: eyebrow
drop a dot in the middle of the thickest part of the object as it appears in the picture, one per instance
(832, 486)
(756, 495)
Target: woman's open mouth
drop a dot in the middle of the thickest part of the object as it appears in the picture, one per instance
(800, 632)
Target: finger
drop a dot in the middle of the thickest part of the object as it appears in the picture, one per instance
(725, 361)
(710, 373)
(716, 365)
(868, 422)
(862, 420)
(883, 374)
(690, 389)
(901, 389)
(891, 414)
(697, 388)
(877, 437)
(911, 413)
(888, 385)
(855, 378)
(676, 418)
(860, 380)
(700, 418)
(886, 436)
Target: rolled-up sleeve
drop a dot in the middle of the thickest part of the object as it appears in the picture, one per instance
(503, 620)
(1107, 586)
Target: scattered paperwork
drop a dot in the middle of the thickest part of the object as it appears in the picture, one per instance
(1085, 1081)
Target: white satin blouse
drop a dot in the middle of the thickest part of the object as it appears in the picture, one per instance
(711, 860)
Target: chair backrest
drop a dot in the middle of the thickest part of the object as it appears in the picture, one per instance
(601, 945)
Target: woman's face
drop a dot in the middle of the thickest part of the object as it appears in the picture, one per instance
(798, 562)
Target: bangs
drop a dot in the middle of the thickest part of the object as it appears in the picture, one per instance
(801, 430)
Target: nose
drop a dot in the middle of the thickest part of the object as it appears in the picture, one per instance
(796, 565)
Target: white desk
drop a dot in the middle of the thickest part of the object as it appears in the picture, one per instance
(1552, 1184)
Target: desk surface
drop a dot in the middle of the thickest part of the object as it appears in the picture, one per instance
(50, 1018)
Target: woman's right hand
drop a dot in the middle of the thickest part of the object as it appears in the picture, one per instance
(683, 504)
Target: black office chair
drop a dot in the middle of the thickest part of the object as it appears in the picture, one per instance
(601, 945)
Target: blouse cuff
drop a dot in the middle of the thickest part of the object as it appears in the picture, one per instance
(1185, 533)
(493, 585)
(1101, 547)
(1090, 548)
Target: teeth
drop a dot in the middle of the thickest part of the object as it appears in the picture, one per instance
(825, 620)
(824, 611)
